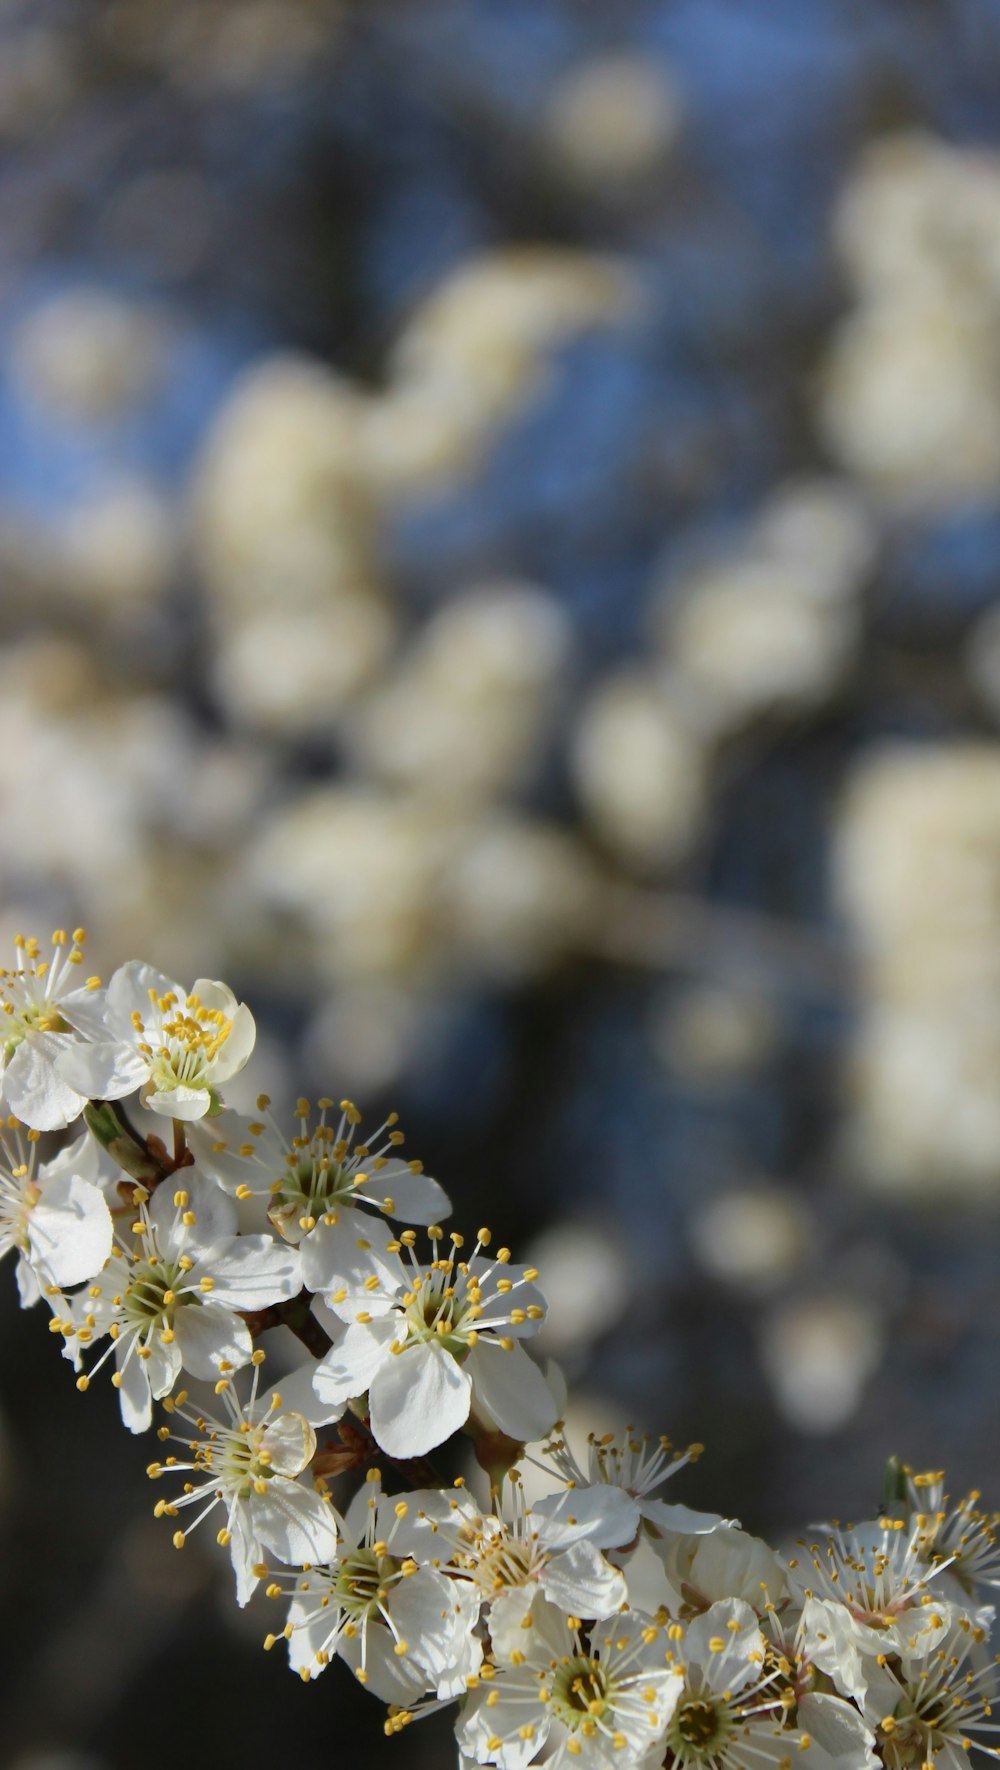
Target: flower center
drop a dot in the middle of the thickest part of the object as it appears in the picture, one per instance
(155, 1289)
(579, 1691)
(241, 1466)
(313, 1185)
(699, 1726)
(434, 1311)
(362, 1577)
(192, 1037)
(506, 1561)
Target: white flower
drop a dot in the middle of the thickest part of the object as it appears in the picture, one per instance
(318, 1176)
(167, 1301)
(514, 1552)
(960, 1538)
(177, 1046)
(934, 1708)
(726, 1562)
(248, 1464)
(632, 1471)
(866, 1593)
(402, 1628)
(43, 1001)
(586, 1704)
(837, 1734)
(52, 1212)
(432, 1344)
(729, 1712)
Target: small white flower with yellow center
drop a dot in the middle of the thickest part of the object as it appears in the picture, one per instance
(53, 1213)
(960, 1534)
(430, 1345)
(838, 1736)
(249, 1465)
(591, 1703)
(402, 1628)
(867, 1593)
(730, 1709)
(168, 1302)
(515, 1552)
(177, 1046)
(43, 1005)
(318, 1176)
(629, 1473)
(934, 1710)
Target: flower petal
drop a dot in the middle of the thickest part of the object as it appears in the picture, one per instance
(290, 1442)
(582, 1583)
(34, 1088)
(347, 1370)
(102, 1071)
(416, 1198)
(295, 1523)
(509, 1391)
(70, 1231)
(417, 1399)
(133, 1392)
(210, 1337)
(252, 1271)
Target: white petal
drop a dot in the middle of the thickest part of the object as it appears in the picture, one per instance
(28, 1288)
(129, 993)
(417, 1399)
(133, 1393)
(34, 1088)
(683, 1520)
(742, 1655)
(244, 1552)
(582, 1583)
(352, 1250)
(416, 1197)
(290, 1442)
(216, 1144)
(296, 1392)
(390, 1677)
(70, 1231)
(179, 1103)
(215, 995)
(87, 1012)
(422, 1608)
(477, 1725)
(507, 1618)
(237, 1049)
(605, 1515)
(252, 1271)
(840, 1737)
(347, 1370)
(162, 1367)
(295, 1523)
(509, 1391)
(209, 1337)
(215, 1216)
(102, 1072)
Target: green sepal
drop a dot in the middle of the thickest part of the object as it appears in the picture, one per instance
(895, 1492)
(121, 1142)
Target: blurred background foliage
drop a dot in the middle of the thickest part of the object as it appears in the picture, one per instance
(500, 560)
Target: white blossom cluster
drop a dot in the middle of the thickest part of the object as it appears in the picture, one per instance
(597, 1624)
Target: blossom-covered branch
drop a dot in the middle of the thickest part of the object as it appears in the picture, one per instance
(598, 1625)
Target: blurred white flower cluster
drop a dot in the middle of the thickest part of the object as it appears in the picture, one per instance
(589, 1621)
(911, 391)
(919, 866)
(409, 862)
(747, 638)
